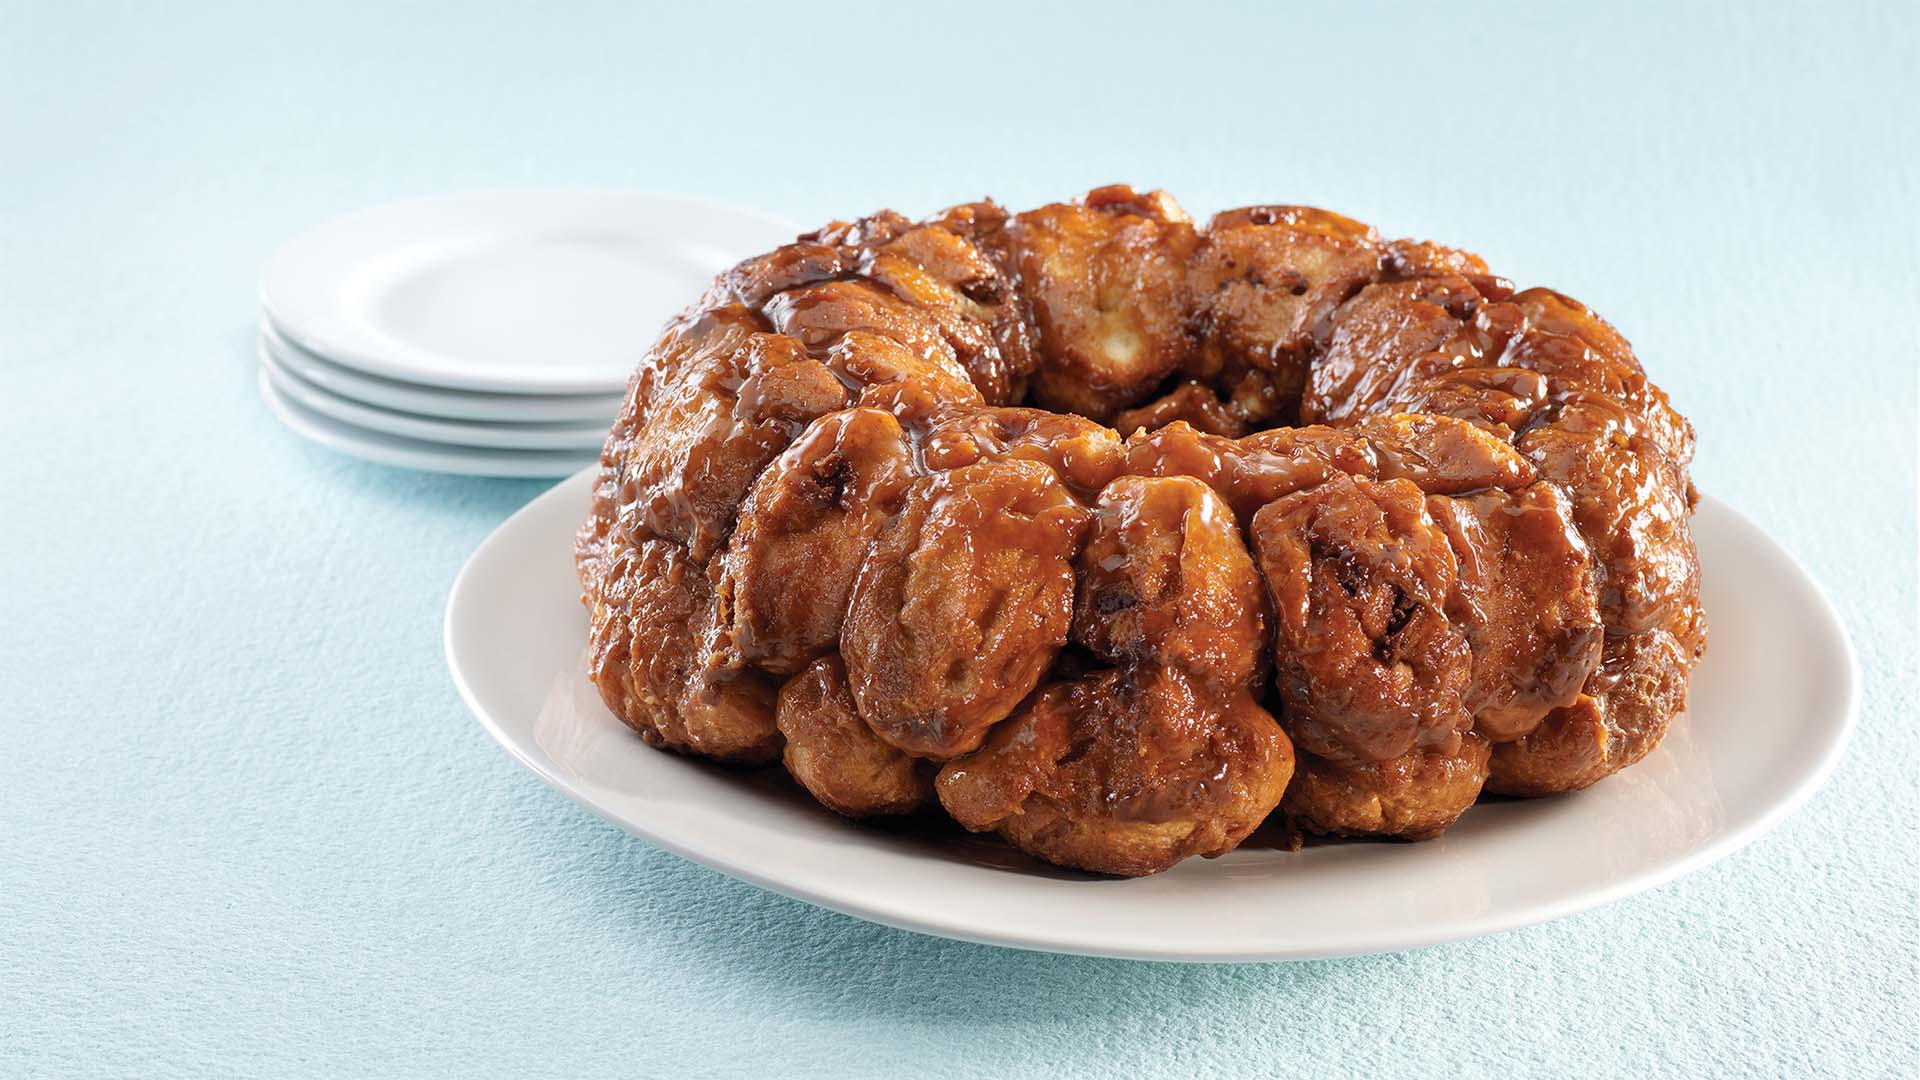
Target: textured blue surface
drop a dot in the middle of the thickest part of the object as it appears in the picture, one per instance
(246, 828)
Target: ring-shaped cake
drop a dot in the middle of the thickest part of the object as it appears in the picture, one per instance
(1115, 535)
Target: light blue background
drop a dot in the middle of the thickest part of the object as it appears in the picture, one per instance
(246, 828)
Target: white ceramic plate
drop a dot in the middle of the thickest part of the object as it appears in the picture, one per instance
(1772, 706)
(503, 435)
(437, 401)
(552, 292)
(407, 453)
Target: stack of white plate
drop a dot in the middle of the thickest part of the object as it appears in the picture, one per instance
(486, 334)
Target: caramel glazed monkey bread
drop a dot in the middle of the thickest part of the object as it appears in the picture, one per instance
(1112, 534)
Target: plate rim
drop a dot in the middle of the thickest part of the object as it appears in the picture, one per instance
(365, 444)
(360, 355)
(440, 402)
(581, 435)
(1719, 847)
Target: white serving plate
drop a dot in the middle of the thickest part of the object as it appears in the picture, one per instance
(495, 434)
(378, 446)
(530, 292)
(1772, 706)
(436, 401)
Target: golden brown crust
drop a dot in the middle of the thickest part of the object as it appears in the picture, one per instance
(1414, 796)
(1368, 665)
(1437, 525)
(836, 757)
(802, 536)
(646, 657)
(1267, 283)
(1123, 772)
(962, 604)
(1525, 598)
(1082, 454)
(1192, 401)
(1164, 578)
(713, 404)
(1618, 718)
(1106, 280)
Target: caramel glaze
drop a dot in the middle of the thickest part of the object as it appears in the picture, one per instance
(1113, 534)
